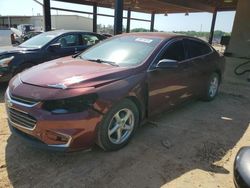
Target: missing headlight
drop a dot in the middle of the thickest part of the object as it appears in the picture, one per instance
(70, 105)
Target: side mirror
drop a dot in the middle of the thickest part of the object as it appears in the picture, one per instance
(167, 64)
(54, 47)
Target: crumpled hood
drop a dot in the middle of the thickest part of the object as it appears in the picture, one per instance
(10, 50)
(69, 72)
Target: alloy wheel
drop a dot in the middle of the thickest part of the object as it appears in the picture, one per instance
(213, 88)
(121, 126)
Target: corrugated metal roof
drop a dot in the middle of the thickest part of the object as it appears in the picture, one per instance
(163, 6)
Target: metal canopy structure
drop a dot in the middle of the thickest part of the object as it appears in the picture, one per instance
(146, 6)
(163, 6)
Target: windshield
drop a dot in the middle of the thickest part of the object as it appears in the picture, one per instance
(38, 41)
(123, 51)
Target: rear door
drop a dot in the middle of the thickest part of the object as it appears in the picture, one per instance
(198, 53)
(169, 87)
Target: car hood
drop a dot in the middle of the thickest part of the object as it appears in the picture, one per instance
(69, 72)
(8, 50)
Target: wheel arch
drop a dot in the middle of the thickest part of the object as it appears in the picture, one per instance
(139, 106)
(218, 71)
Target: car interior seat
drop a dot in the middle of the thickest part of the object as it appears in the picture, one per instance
(63, 42)
(84, 41)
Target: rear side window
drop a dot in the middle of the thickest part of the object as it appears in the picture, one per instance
(89, 39)
(196, 48)
(174, 51)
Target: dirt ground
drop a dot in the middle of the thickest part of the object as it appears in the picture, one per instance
(192, 146)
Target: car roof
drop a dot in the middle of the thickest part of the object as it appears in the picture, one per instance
(62, 31)
(161, 35)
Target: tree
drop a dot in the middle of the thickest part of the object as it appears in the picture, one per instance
(139, 30)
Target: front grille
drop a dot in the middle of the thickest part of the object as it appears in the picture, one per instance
(22, 119)
(22, 100)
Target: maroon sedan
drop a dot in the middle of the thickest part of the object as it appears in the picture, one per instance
(103, 94)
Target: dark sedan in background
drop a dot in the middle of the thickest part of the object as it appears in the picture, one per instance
(102, 95)
(44, 47)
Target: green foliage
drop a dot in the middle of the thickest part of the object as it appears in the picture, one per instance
(217, 34)
(141, 30)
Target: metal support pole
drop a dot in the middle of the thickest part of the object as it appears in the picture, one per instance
(118, 17)
(211, 36)
(95, 18)
(128, 21)
(46, 15)
(152, 22)
(9, 21)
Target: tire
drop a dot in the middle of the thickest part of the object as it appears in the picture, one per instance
(118, 126)
(212, 87)
(22, 68)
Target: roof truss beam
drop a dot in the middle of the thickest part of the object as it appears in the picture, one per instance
(190, 4)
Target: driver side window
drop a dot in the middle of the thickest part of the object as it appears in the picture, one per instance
(69, 40)
(174, 51)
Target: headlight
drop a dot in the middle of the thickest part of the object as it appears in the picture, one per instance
(70, 105)
(5, 61)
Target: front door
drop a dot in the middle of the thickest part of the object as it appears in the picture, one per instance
(69, 44)
(169, 86)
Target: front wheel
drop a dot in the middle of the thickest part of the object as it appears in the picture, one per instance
(118, 126)
(212, 87)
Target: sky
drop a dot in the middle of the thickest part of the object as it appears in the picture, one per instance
(172, 22)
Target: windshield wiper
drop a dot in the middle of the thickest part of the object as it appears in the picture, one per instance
(103, 61)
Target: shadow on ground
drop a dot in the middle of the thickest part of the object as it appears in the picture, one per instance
(3, 87)
(191, 137)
